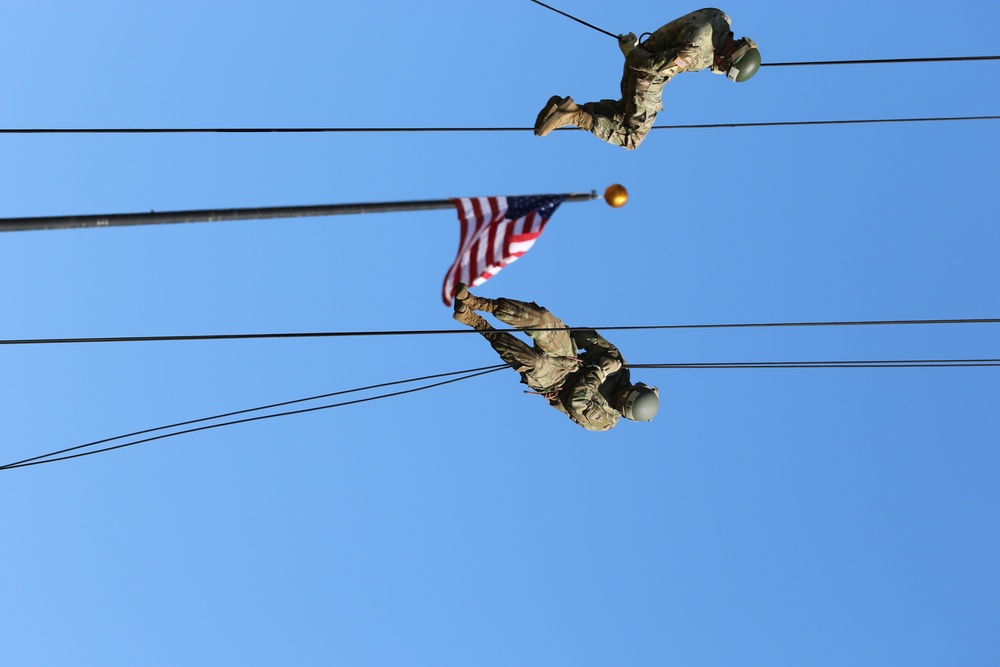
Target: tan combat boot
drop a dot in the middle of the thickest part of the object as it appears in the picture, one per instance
(548, 110)
(565, 113)
(462, 294)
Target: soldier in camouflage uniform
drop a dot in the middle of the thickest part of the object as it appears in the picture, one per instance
(592, 389)
(700, 40)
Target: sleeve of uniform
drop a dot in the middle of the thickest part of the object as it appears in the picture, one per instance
(587, 406)
(667, 64)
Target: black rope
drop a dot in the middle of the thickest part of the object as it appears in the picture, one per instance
(48, 458)
(794, 123)
(570, 16)
(427, 332)
(52, 457)
(895, 363)
(882, 61)
(257, 409)
(819, 62)
(347, 130)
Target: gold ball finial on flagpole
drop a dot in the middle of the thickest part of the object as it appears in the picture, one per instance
(616, 195)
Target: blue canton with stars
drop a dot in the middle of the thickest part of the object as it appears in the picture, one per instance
(546, 205)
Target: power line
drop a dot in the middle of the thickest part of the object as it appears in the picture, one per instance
(48, 458)
(349, 130)
(428, 332)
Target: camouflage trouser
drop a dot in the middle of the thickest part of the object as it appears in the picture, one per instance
(625, 122)
(553, 356)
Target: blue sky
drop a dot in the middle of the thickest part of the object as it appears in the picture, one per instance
(818, 517)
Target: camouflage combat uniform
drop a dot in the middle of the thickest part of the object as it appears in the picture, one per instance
(554, 368)
(686, 44)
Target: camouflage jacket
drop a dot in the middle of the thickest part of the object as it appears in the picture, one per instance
(584, 396)
(686, 44)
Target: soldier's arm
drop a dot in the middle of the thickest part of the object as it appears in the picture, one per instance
(586, 406)
(667, 64)
(587, 388)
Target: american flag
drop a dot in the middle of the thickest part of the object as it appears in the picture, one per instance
(494, 231)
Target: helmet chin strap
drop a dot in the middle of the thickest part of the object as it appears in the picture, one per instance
(726, 53)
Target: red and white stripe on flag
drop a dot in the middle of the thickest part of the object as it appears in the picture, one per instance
(494, 231)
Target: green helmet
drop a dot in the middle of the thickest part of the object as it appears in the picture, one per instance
(744, 62)
(642, 403)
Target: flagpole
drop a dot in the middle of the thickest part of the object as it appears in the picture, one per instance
(231, 214)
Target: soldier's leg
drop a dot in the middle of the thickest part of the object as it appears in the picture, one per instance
(520, 314)
(515, 352)
(617, 128)
(625, 122)
(555, 340)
